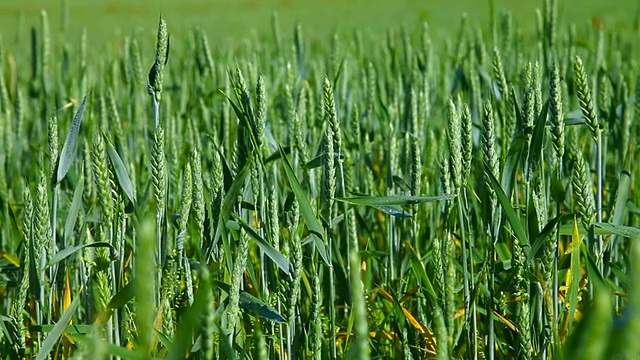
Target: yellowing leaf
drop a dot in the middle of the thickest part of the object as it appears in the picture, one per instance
(384, 293)
(422, 329)
(12, 259)
(416, 324)
(66, 296)
(504, 320)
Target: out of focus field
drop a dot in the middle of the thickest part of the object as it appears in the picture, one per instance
(234, 19)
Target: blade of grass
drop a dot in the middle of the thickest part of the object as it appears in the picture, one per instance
(68, 251)
(510, 213)
(254, 304)
(305, 210)
(112, 349)
(393, 200)
(58, 330)
(68, 153)
(420, 272)
(76, 205)
(121, 172)
(622, 230)
(127, 293)
(394, 211)
(279, 259)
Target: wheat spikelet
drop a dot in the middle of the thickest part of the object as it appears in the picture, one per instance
(584, 97)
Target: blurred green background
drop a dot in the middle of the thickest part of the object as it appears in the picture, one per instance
(233, 19)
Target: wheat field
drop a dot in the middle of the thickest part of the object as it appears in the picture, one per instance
(408, 190)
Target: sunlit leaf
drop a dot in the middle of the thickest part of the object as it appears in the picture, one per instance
(58, 330)
(305, 210)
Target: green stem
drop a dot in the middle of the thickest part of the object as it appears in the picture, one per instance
(599, 255)
(332, 315)
(491, 339)
(465, 265)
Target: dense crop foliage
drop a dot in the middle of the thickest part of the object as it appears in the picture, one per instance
(364, 197)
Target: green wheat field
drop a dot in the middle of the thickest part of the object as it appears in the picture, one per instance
(298, 180)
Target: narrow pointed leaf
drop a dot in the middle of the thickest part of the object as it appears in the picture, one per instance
(538, 140)
(592, 268)
(68, 153)
(111, 349)
(421, 274)
(68, 251)
(166, 342)
(393, 200)
(622, 230)
(261, 308)
(244, 118)
(512, 216)
(71, 329)
(234, 190)
(541, 238)
(280, 260)
(622, 195)
(253, 303)
(34, 279)
(574, 268)
(229, 201)
(305, 209)
(316, 162)
(127, 293)
(121, 172)
(592, 335)
(76, 205)
(58, 330)
(511, 164)
(393, 210)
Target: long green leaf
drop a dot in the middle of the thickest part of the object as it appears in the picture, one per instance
(68, 251)
(71, 329)
(305, 209)
(68, 153)
(254, 304)
(112, 349)
(511, 164)
(231, 196)
(622, 196)
(280, 260)
(58, 330)
(537, 141)
(76, 205)
(421, 274)
(261, 308)
(34, 278)
(572, 296)
(393, 200)
(166, 342)
(510, 213)
(592, 335)
(603, 229)
(396, 211)
(594, 274)
(125, 294)
(316, 162)
(541, 238)
(121, 172)
(245, 118)
(622, 230)
(229, 202)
